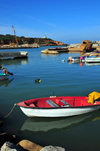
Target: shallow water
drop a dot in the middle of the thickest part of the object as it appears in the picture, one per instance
(61, 79)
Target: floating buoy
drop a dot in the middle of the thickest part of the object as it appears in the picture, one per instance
(37, 81)
(81, 64)
(63, 60)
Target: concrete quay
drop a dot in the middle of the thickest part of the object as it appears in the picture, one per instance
(13, 55)
(58, 50)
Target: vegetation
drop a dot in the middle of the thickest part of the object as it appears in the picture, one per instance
(9, 39)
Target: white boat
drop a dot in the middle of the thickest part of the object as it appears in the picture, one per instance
(93, 59)
(58, 106)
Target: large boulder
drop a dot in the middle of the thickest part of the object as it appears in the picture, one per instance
(30, 146)
(86, 45)
(8, 146)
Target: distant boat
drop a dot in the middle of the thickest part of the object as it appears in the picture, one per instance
(93, 59)
(4, 76)
(74, 59)
(63, 106)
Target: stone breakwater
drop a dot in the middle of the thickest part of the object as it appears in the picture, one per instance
(24, 145)
(12, 143)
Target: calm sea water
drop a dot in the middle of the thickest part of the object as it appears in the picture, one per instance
(61, 79)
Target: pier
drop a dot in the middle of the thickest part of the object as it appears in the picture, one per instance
(58, 50)
(13, 55)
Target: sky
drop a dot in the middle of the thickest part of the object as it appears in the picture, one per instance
(69, 21)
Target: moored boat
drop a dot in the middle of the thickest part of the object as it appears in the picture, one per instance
(93, 59)
(73, 59)
(62, 106)
(4, 76)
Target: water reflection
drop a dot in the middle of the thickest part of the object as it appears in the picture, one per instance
(14, 61)
(5, 82)
(47, 124)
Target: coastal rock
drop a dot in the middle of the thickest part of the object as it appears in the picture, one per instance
(5, 137)
(8, 146)
(30, 146)
(86, 45)
(52, 148)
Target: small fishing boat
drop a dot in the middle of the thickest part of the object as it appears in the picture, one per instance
(74, 59)
(93, 59)
(62, 106)
(4, 76)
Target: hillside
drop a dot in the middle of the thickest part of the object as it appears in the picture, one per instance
(10, 40)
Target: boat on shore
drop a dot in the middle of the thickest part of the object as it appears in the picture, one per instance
(61, 106)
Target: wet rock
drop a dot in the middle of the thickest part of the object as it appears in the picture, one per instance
(30, 146)
(8, 146)
(4, 137)
(86, 45)
(52, 148)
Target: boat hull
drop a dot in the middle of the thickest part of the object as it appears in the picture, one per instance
(93, 60)
(3, 77)
(58, 112)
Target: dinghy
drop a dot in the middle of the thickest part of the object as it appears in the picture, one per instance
(4, 76)
(62, 106)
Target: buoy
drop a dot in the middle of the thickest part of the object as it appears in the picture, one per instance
(37, 81)
(63, 60)
(70, 58)
(81, 64)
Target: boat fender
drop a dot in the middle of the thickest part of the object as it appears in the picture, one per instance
(5, 71)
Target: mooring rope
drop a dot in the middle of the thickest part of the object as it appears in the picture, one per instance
(10, 111)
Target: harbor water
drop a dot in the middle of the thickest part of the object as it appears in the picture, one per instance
(78, 133)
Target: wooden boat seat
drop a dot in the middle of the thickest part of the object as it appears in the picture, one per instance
(65, 104)
(52, 103)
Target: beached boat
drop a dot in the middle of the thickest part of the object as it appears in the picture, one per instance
(93, 59)
(4, 76)
(58, 106)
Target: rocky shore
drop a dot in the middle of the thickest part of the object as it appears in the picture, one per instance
(9, 42)
(12, 143)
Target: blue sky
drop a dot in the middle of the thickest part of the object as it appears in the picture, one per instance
(63, 20)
